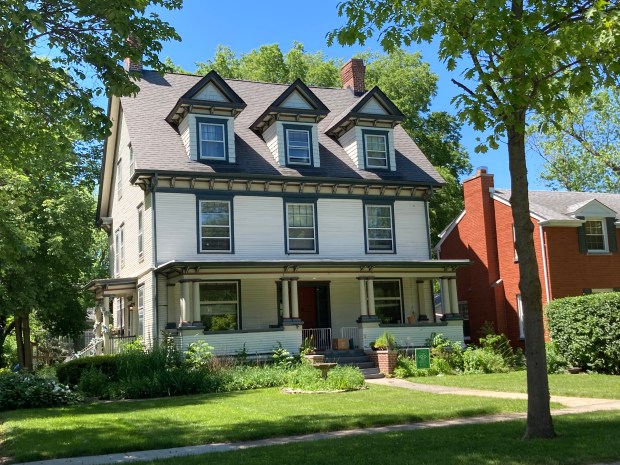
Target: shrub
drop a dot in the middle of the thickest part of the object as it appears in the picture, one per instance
(27, 390)
(282, 357)
(500, 345)
(406, 368)
(447, 355)
(93, 383)
(385, 342)
(71, 372)
(345, 378)
(483, 361)
(199, 355)
(556, 363)
(308, 378)
(586, 331)
(242, 378)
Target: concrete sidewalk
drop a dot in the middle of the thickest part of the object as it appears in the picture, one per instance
(572, 405)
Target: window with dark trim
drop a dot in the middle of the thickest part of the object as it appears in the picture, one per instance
(215, 226)
(140, 329)
(212, 138)
(376, 150)
(219, 305)
(388, 300)
(379, 228)
(596, 240)
(301, 227)
(298, 145)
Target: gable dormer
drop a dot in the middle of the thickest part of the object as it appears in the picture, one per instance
(366, 131)
(205, 118)
(289, 126)
(597, 234)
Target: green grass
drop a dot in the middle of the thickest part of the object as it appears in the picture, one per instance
(582, 439)
(239, 416)
(581, 385)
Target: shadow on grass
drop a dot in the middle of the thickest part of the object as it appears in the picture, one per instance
(156, 424)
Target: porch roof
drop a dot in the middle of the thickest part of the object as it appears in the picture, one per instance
(111, 286)
(294, 264)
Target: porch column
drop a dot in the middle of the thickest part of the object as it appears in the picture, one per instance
(420, 287)
(184, 301)
(106, 324)
(454, 301)
(196, 301)
(98, 323)
(294, 300)
(371, 296)
(286, 310)
(172, 312)
(363, 297)
(122, 304)
(446, 301)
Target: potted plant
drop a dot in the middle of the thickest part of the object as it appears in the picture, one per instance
(385, 354)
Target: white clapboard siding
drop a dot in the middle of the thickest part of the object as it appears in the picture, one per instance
(373, 107)
(341, 228)
(295, 100)
(186, 135)
(410, 230)
(344, 299)
(259, 303)
(233, 342)
(150, 322)
(259, 227)
(271, 139)
(349, 142)
(416, 336)
(211, 93)
(189, 134)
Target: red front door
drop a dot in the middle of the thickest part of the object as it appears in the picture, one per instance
(306, 298)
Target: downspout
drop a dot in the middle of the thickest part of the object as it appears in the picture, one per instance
(155, 324)
(543, 247)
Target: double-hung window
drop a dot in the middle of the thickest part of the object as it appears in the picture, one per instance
(119, 249)
(379, 229)
(215, 226)
(140, 331)
(140, 232)
(301, 227)
(132, 161)
(388, 301)
(596, 240)
(298, 147)
(219, 305)
(212, 140)
(376, 150)
(119, 179)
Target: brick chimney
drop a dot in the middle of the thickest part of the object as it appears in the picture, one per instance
(352, 76)
(132, 66)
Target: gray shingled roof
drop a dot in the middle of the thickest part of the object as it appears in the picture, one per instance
(553, 205)
(158, 147)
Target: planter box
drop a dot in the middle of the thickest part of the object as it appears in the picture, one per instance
(384, 360)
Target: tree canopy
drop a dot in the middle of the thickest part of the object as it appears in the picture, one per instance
(582, 149)
(403, 76)
(518, 57)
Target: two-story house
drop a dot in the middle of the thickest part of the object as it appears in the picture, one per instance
(576, 241)
(248, 214)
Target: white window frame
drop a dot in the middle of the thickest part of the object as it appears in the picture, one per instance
(603, 224)
(390, 299)
(141, 232)
(366, 150)
(290, 161)
(236, 302)
(369, 249)
(201, 140)
(288, 229)
(520, 316)
(119, 179)
(229, 226)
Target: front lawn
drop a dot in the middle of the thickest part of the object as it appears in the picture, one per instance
(582, 439)
(581, 385)
(101, 428)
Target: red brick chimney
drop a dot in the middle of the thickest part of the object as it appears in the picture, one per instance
(352, 76)
(133, 66)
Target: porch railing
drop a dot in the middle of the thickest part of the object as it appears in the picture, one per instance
(353, 333)
(321, 337)
(118, 342)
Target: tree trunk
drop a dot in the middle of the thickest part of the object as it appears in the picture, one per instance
(22, 335)
(19, 340)
(5, 331)
(539, 422)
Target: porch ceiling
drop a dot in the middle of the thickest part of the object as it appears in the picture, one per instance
(113, 287)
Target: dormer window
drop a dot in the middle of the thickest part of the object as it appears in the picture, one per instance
(376, 150)
(212, 144)
(298, 145)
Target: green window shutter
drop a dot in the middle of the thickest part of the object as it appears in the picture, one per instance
(611, 234)
(587, 291)
(581, 237)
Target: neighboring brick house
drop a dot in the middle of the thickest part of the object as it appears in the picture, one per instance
(248, 214)
(576, 240)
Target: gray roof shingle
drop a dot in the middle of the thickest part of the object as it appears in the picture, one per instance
(553, 205)
(158, 147)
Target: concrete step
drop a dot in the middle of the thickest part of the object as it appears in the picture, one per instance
(372, 373)
(344, 353)
(348, 360)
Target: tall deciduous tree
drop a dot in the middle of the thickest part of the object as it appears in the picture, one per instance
(519, 56)
(582, 149)
(404, 77)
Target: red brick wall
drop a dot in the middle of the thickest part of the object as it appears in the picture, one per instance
(571, 272)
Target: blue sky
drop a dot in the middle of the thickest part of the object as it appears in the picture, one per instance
(244, 25)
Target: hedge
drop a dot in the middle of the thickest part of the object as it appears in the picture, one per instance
(70, 372)
(586, 331)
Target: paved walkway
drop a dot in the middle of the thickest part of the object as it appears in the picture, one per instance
(571, 405)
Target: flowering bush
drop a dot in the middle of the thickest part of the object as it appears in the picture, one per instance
(27, 390)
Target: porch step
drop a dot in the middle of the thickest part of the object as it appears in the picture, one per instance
(357, 358)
